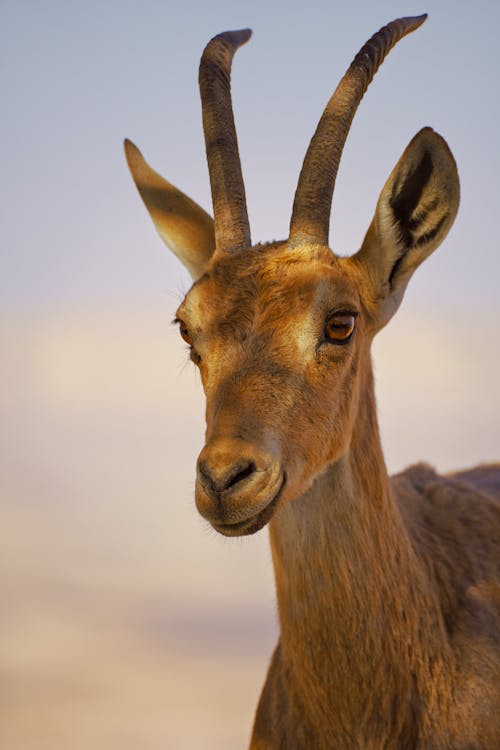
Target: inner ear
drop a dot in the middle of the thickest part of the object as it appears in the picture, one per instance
(416, 214)
(415, 211)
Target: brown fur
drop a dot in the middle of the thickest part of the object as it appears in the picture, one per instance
(388, 589)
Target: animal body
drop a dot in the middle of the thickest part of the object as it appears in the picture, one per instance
(388, 588)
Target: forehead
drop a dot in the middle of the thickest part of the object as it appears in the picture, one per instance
(273, 280)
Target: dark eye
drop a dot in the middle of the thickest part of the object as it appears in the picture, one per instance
(339, 327)
(185, 333)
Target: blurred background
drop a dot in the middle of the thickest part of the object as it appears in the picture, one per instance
(124, 621)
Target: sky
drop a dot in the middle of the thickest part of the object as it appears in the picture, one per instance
(78, 78)
(125, 618)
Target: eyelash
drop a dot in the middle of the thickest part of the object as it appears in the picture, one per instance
(345, 320)
(184, 332)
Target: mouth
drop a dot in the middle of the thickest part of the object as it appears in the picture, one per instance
(254, 523)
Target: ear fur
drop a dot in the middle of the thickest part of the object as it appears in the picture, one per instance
(183, 225)
(415, 211)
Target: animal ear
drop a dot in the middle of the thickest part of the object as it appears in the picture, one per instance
(183, 225)
(414, 213)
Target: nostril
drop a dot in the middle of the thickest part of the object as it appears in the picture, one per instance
(217, 479)
(241, 474)
(204, 471)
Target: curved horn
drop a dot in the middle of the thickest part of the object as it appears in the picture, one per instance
(232, 230)
(313, 198)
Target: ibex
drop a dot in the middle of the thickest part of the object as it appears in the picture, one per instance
(388, 588)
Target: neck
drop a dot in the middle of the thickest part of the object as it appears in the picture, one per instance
(360, 623)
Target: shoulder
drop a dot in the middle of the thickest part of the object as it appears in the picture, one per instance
(454, 515)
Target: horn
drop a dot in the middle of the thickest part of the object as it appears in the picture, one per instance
(313, 198)
(232, 230)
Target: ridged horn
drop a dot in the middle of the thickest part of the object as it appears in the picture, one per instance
(232, 230)
(313, 198)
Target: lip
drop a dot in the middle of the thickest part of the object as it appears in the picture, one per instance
(254, 523)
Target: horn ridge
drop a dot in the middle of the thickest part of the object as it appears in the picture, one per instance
(313, 198)
(232, 229)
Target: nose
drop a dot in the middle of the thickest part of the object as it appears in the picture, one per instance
(235, 481)
(218, 476)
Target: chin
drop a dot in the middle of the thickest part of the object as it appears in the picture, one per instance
(254, 523)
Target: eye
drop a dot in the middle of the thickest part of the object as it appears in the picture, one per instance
(183, 330)
(339, 327)
(185, 335)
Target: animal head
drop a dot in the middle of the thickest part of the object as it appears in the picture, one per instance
(281, 332)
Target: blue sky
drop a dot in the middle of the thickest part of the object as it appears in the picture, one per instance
(78, 77)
